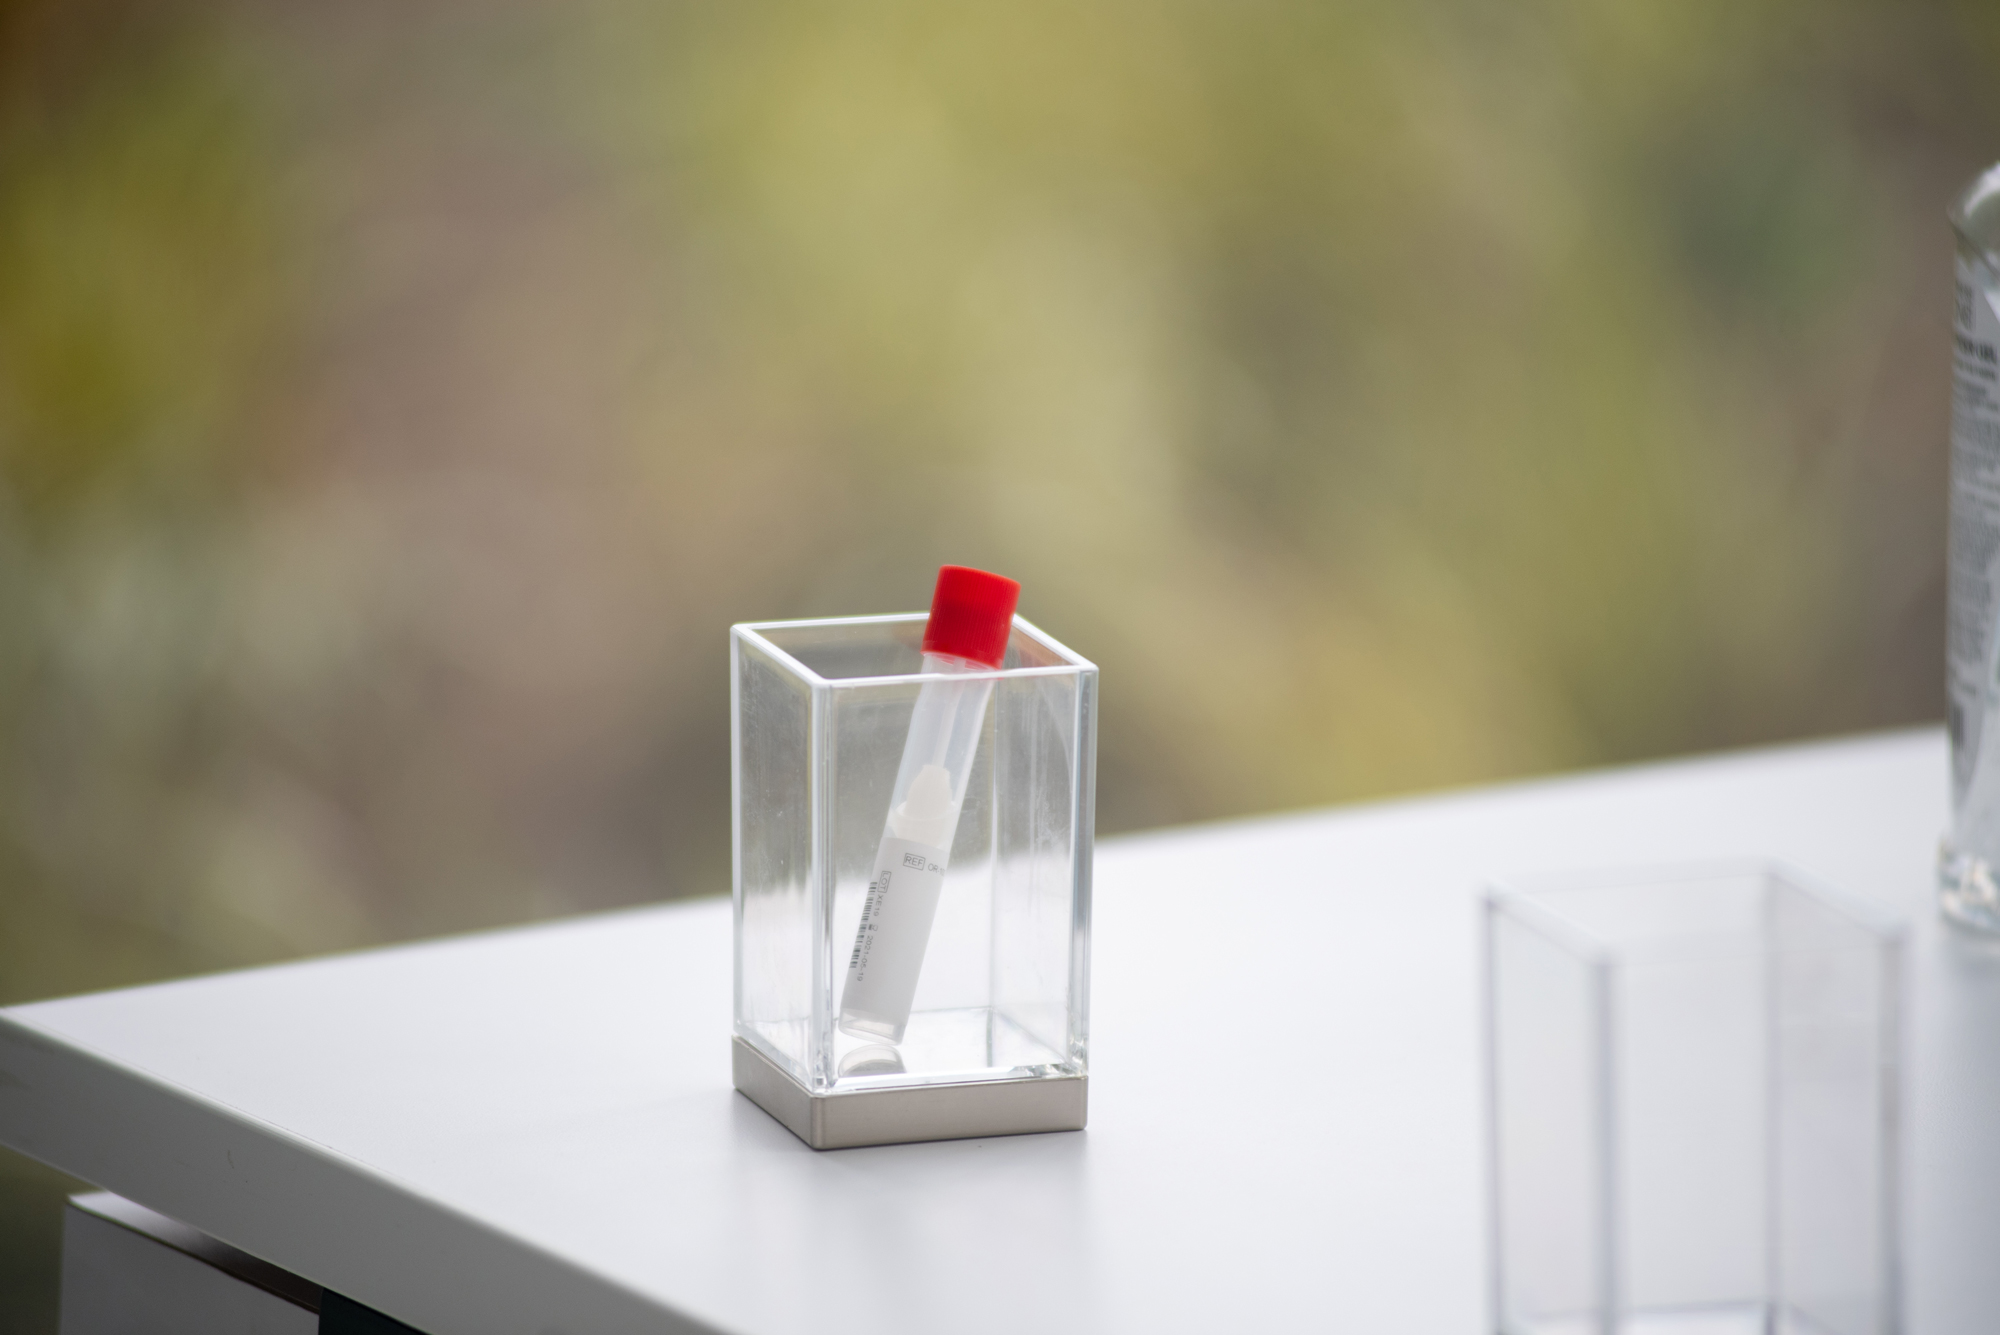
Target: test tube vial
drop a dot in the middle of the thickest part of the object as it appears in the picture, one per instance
(965, 638)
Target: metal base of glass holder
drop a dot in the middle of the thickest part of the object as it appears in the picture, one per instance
(916, 1112)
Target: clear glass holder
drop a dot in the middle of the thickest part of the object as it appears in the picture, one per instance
(996, 1036)
(1693, 1105)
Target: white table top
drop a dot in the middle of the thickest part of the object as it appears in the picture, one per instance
(533, 1131)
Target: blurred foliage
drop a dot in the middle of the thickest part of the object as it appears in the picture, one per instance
(397, 403)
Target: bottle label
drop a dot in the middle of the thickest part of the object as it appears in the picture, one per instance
(895, 929)
(1975, 537)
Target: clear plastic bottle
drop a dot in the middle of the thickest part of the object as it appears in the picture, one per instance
(1967, 888)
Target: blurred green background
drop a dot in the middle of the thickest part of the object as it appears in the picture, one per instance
(398, 402)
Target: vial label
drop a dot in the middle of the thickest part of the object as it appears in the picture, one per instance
(895, 928)
(1975, 524)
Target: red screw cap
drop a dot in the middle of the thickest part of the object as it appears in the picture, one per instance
(971, 614)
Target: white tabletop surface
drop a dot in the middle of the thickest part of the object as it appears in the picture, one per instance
(533, 1131)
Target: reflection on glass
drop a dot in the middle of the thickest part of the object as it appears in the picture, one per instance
(875, 1059)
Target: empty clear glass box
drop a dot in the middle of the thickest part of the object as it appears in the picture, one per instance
(1693, 1106)
(996, 1037)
